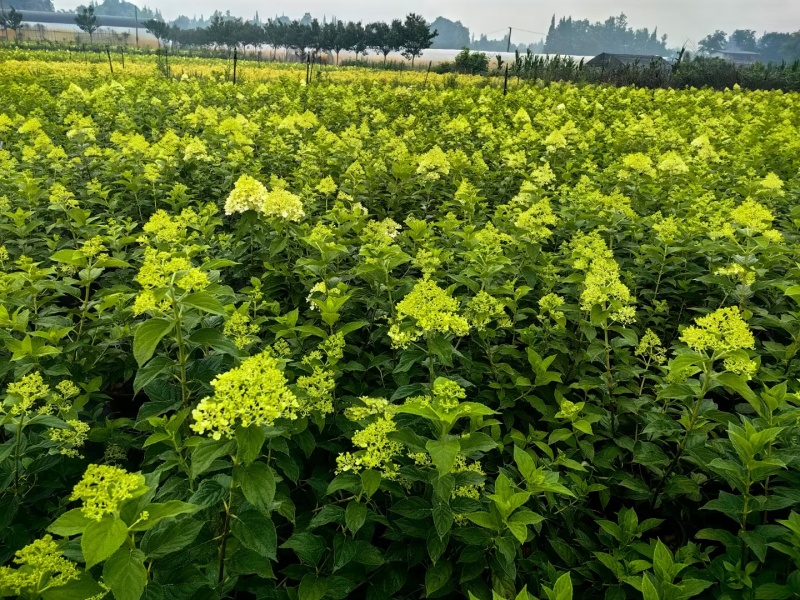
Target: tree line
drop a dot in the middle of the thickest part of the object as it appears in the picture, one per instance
(771, 47)
(569, 36)
(410, 37)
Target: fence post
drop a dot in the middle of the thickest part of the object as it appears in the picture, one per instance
(428, 73)
(505, 82)
(235, 60)
(122, 52)
(108, 53)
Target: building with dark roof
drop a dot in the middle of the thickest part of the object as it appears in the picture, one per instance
(608, 60)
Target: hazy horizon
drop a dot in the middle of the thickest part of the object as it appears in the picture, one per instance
(681, 20)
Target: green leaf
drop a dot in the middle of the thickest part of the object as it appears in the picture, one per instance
(249, 441)
(739, 385)
(649, 591)
(206, 452)
(477, 442)
(773, 591)
(312, 588)
(170, 536)
(443, 454)
(256, 532)
(662, 562)
(125, 574)
(102, 538)
(70, 523)
(258, 484)
(370, 481)
(154, 369)
(442, 516)
(437, 576)
(355, 515)
(350, 327)
(205, 302)
(147, 337)
(215, 339)
(159, 511)
(562, 590)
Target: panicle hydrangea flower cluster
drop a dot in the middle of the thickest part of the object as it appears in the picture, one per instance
(30, 389)
(239, 328)
(250, 194)
(756, 219)
(473, 491)
(171, 229)
(639, 163)
(485, 308)
(548, 309)
(586, 247)
(721, 332)
(254, 393)
(377, 450)
(433, 165)
(380, 233)
(103, 488)
(672, 164)
(535, 221)
(667, 228)
(72, 438)
(602, 286)
(432, 310)
(650, 348)
(41, 566)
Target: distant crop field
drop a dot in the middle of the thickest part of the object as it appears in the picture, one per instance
(393, 335)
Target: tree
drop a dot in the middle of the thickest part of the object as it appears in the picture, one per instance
(384, 38)
(771, 46)
(714, 42)
(417, 36)
(86, 21)
(452, 34)
(11, 19)
(743, 40)
(158, 29)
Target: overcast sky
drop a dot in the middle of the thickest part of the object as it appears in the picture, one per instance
(681, 20)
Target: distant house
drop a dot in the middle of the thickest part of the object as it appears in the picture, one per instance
(607, 60)
(737, 57)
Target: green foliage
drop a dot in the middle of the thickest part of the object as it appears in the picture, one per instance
(393, 338)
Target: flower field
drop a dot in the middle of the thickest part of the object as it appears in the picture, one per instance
(388, 336)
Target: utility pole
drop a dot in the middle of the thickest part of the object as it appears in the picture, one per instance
(508, 49)
(136, 18)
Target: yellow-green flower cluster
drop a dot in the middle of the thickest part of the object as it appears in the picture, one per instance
(247, 194)
(380, 233)
(318, 388)
(104, 488)
(250, 194)
(667, 228)
(428, 260)
(639, 163)
(171, 229)
(432, 310)
(326, 186)
(433, 165)
(369, 407)
(72, 438)
(447, 394)
(485, 308)
(602, 287)
(491, 241)
(671, 163)
(722, 331)
(535, 221)
(377, 450)
(772, 183)
(548, 309)
(650, 348)
(472, 490)
(254, 393)
(30, 389)
(239, 328)
(41, 566)
(737, 271)
(587, 247)
(755, 218)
